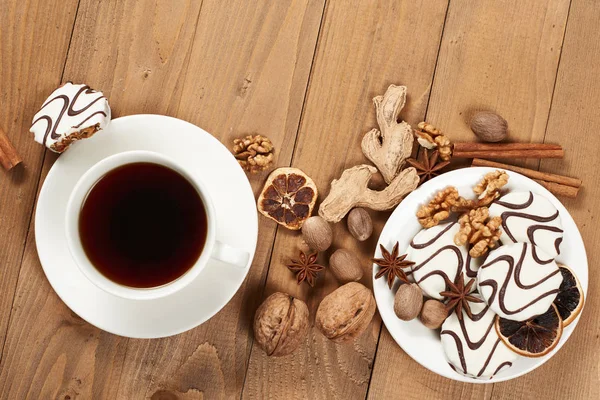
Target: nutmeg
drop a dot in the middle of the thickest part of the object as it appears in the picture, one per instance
(317, 233)
(360, 224)
(408, 301)
(280, 324)
(433, 314)
(345, 266)
(346, 312)
(489, 126)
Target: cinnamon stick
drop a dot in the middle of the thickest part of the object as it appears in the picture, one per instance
(8, 154)
(543, 176)
(507, 150)
(558, 189)
(476, 146)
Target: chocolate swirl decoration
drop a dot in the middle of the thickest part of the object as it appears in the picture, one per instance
(475, 345)
(432, 240)
(454, 259)
(68, 107)
(517, 278)
(532, 229)
(458, 264)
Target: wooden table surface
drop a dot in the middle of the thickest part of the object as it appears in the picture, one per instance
(302, 72)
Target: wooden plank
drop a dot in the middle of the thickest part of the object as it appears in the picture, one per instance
(32, 56)
(505, 61)
(50, 352)
(363, 47)
(247, 72)
(573, 372)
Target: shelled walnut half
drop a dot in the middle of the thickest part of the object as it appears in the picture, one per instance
(477, 229)
(488, 189)
(254, 152)
(440, 207)
(430, 137)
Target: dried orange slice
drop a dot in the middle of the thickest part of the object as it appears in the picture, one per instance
(569, 300)
(534, 337)
(288, 197)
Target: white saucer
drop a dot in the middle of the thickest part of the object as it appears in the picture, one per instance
(237, 225)
(424, 344)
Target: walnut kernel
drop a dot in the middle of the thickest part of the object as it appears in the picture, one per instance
(488, 189)
(477, 229)
(430, 137)
(440, 207)
(254, 153)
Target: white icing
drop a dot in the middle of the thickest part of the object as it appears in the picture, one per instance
(515, 228)
(429, 275)
(475, 330)
(63, 114)
(544, 280)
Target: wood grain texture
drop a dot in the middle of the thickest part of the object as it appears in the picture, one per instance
(31, 34)
(52, 352)
(573, 373)
(302, 72)
(505, 61)
(500, 56)
(356, 38)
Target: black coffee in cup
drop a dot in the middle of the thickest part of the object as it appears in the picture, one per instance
(143, 225)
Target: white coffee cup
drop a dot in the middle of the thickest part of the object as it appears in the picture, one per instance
(212, 247)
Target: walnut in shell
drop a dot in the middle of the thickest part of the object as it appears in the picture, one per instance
(280, 324)
(288, 197)
(346, 312)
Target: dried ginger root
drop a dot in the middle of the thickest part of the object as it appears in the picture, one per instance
(351, 190)
(430, 137)
(254, 153)
(477, 229)
(390, 145)
(488, 189)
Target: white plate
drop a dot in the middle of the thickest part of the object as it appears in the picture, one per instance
(237, 225)
(423, 344)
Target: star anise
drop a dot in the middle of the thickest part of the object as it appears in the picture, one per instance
(459, 296)
(306, 268)
(392, 265)
(427, 165)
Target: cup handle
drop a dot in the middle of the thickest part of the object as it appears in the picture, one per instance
(230, 255)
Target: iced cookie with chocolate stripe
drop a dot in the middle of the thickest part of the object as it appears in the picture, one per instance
(519, 281)
(438, 258)
(70, 113)
(472, 345)
(529, 217)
